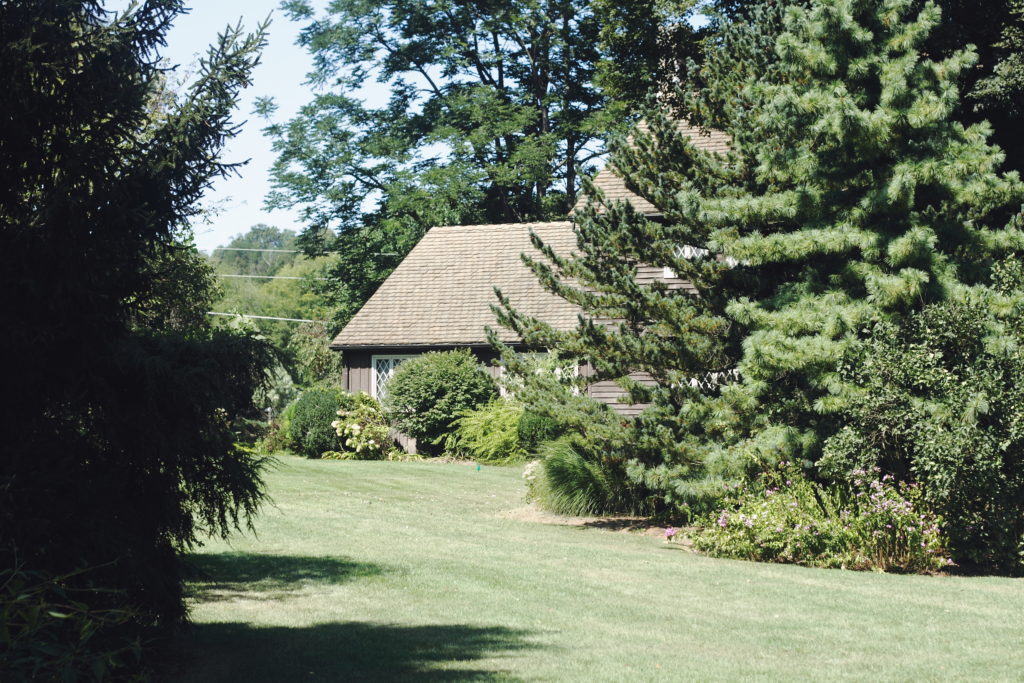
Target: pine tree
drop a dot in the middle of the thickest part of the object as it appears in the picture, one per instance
(850, 196)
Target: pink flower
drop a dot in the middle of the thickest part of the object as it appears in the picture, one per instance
(670, 533)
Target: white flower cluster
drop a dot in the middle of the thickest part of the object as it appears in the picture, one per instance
(531, 470)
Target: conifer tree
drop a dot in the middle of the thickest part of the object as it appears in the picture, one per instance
(850, 196)
(118, 448)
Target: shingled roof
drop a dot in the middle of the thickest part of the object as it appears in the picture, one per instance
(441, 293)
(614, 187)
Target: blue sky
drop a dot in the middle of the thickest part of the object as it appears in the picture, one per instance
(281, 75)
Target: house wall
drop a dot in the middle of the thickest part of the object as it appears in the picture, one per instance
(610, 393)
(358, 363)
(357, 373)
(645, 275)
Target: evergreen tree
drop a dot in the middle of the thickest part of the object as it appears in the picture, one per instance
(118, 450)
(993, 88)
(852, 195)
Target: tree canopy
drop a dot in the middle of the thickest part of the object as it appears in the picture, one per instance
(992, 89)
(493, 111)
(852, 195)
(118, 446)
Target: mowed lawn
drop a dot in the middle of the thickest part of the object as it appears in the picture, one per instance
(407, 571)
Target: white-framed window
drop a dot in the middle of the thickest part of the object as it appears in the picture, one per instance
(683, 251)
(383, 368)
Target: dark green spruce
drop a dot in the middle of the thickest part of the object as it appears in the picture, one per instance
(118, 446)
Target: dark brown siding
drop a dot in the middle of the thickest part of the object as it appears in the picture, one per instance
(645, 275)
(610, 393)
(357, 373)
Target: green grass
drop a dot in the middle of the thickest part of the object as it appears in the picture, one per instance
(385, 571)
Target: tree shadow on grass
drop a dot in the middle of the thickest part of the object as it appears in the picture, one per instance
(352, 651)
(225, 576)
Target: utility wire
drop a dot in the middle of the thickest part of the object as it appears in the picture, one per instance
(274, 277)
(266, 317)
(281, 251)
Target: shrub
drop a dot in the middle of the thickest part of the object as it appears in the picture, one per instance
(942, 403)
(572, 479)
(363, 431)
(310, 417)
(488, 434)
(872, 524)
(53, 634)
(309, 346)
(428, 392)
(534, 429)
(279, 391)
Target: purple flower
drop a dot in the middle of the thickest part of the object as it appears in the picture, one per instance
(670, 533)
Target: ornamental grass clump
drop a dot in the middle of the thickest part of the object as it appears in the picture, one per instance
(875, 523)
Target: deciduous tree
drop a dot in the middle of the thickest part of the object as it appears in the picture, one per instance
(493, 110)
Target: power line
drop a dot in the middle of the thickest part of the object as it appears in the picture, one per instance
(266, 317)
(274, 277)
(280, 251)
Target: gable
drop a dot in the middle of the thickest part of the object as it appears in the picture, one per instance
(442, 291)
(613, 186)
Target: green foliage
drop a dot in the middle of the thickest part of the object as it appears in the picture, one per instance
(285, 298)
(993, 89)
(309, 419)
(52, 634)
(119, 451)
(579, 478)
(493, 111)
(582, 444)
(534, 429)
(873, 523)
(851, 195)
(428, 392)
(279, 432)
(364, 431)
(488, 434)
(999, 91)
(183, 289)
(646, 47)
(315, 363)
(258, 237)
(272, 398)
(941, 402)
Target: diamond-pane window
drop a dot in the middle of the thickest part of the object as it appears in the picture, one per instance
(383, 369)
(683, 251)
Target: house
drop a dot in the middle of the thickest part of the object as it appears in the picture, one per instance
(440, 296)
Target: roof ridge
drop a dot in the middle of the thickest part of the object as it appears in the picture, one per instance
(559, 223)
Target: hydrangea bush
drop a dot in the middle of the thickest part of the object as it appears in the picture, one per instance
(874, 523)
(364, 431)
